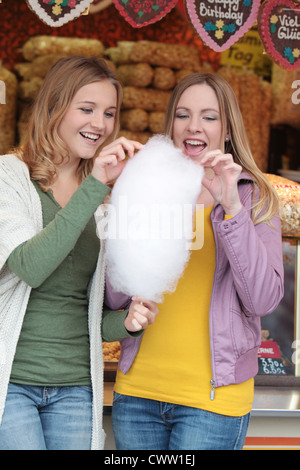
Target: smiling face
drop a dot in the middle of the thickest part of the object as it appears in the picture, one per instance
(197, 126)
(89, 119)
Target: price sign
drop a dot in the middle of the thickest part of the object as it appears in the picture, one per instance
(247, 53)
(271, 366)
(269, 359)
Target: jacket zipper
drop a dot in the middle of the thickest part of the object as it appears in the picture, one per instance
(212, 391)
(212, 382)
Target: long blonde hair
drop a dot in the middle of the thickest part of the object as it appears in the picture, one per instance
(267, 206)
(42, 143)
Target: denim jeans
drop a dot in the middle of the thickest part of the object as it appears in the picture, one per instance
(47, 418)
(141, 424)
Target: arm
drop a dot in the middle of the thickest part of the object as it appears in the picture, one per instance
(254, 252)
(139, 313)
(113, 327)
(255, 256)
(130, 322)
(135, 317)
(34, 260)
(113, 299)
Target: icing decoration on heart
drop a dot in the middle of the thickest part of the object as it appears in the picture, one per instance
(55, 13)
(279, 30)
(144, 12)
(220, 23)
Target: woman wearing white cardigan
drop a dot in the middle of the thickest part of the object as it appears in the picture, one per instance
(51, 263)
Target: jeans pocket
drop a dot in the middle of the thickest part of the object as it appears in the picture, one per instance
(118, 398)
(87, 388)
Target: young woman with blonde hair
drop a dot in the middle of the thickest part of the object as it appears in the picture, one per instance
(187, 382)
(234, 139)
(51, 262)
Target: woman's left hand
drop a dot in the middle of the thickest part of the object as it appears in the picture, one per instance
(221, 182)
(142, 313)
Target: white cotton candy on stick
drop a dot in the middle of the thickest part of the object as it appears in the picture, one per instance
(150, 221)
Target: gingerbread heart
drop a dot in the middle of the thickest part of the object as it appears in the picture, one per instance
(55, 13)
(279, 30)
(143, 12)
(220, 23)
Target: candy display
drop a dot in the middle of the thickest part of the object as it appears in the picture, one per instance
(289, 194)
(8, 103)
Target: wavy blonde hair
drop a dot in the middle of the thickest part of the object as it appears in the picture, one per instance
(267, 205)
(42, 143)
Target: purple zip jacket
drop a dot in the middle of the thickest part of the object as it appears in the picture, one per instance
(248, 284)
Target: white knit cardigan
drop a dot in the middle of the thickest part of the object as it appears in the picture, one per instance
(20, 219)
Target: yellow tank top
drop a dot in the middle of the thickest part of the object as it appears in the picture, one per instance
(173, 363)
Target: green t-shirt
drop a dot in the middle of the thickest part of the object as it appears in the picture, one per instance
(53, 348)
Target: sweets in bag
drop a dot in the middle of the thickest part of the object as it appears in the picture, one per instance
(289, 194)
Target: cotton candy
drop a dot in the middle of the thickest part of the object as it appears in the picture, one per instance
(149, 220)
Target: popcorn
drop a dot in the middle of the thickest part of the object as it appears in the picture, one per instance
(289, 194)
(111, 351)
(8, 111)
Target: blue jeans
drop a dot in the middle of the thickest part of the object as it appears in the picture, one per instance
(47, 418)
(141, 424)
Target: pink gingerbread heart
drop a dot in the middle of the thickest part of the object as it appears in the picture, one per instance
(279, 30)
(55, 13)
(140, 13)
(220, 23)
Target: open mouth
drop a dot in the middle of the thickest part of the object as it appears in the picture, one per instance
(194, 147)
(90, 136)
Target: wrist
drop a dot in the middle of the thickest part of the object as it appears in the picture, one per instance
(99, 178)
(100, 182)
(232, 211)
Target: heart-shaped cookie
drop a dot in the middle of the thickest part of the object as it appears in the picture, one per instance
(279, 30)
(55, 13)
(220, 23)
(143, 12)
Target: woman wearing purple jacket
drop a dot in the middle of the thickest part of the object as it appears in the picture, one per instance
(187, 381)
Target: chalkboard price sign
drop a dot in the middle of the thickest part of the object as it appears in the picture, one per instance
(271, 366)
(269, 359)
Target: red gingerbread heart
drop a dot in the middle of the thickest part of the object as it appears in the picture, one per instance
(220, 23)
(279, 30)
(55, 13)
(143, 12)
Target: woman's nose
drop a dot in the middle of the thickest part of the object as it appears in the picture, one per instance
(98, 121)
(195, 125)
